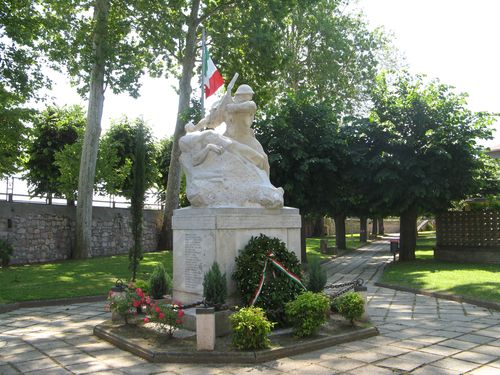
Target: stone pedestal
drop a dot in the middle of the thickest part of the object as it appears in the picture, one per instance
(205, 328)
(205, 235)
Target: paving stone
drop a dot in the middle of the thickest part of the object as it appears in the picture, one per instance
(367, 356)
(72, 359)
(398, 363)
(409, 344)
(429, 339)
(495, 364)
(8, 370)
(371, 370)
(478, 339)
(456, 365)
(420, 357)
(291, 364)
(458, 344)
(187, 370)
(90, 368)
(487, 349)
(25, 356)
(49, 371)
(440, 350)
(38, 364)
(342, 364)
(475, 357)
(488, 332)
(485, 370)
(433, 370)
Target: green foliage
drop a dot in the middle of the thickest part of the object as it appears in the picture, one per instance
(350, 305)
(316, 276)
(53, 129)
(278, 288)
(6, 250)
(137, 199)
(120, 141)
(214, 286)
(167, 316)
(159, 282)
(307, 313)
(250, 329)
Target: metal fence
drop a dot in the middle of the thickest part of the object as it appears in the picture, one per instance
(15, 189)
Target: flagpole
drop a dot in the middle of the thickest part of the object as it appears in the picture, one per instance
(203, 70)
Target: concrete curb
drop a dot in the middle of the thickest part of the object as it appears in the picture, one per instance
(49, 302)
(215, 357)
(451, 297)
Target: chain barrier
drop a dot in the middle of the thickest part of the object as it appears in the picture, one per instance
(343, 287)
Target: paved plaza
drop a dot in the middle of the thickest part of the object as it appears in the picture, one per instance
(418, 335)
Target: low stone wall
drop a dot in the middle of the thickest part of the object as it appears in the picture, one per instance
(43, 233)
(352, 226)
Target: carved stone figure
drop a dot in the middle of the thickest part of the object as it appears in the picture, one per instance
(230, 170)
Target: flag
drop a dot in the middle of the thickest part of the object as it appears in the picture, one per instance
(212, 79)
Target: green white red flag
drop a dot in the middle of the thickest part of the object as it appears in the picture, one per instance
(212, 79)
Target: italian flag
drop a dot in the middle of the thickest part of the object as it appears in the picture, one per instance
(212, 79)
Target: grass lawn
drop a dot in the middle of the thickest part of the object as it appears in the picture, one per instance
(73, 278)
(312, 245)
(479, 281)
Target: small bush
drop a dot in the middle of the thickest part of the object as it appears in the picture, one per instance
(251, 329)
(317, 277)
(6, 250)
(214, 287)
(350, 305)
(159, 282)
(307, 313)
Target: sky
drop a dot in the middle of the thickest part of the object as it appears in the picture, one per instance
(453, 40)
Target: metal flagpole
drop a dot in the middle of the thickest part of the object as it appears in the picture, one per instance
(203, 70)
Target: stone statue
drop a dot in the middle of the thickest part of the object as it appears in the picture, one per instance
(230, 170)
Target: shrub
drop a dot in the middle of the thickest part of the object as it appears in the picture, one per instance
(350, 305)
(317, 277)
(125, 304)
(214, 287)
(6, 250)
(251, 329)
(307, 313)
(278, 288)
(159, 282)
(168, 317)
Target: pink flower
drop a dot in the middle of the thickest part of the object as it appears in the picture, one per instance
(161, 315)
(146, 320)
(136, 303)
(157, 309)
(139, 292)
(180, 313)
(148, 300)
(177, 321)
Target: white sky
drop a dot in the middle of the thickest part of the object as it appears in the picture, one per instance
(453, 40)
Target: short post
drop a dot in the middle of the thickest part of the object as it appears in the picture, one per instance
(205, 328)
(323, 246)
(394, 248)
(363, 290)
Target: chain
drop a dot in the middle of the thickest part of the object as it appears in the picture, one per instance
(345, 287)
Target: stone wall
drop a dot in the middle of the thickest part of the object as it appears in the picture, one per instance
(43, 233)
(468, 236)
(352, 226)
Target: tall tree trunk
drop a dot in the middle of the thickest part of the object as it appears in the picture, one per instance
(374, 226)
(363, 229)
(174, 172)
(408, 233)
(340, 231)
(92, 132)
(381, 229)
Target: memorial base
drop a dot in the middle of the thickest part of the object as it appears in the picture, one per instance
(203, 236)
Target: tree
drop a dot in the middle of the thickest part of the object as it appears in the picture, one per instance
(120, 142)
(53, 129)
(422, 149)
(137, 195)
(20, 79)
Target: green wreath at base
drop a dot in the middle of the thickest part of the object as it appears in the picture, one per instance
(278, 287)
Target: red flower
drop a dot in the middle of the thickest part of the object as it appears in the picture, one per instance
(148, 300)
(139, 292)
(136, 303)
(180, 313)
(161, 315)
(157, 309)
(177, 321)
(146, 320)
